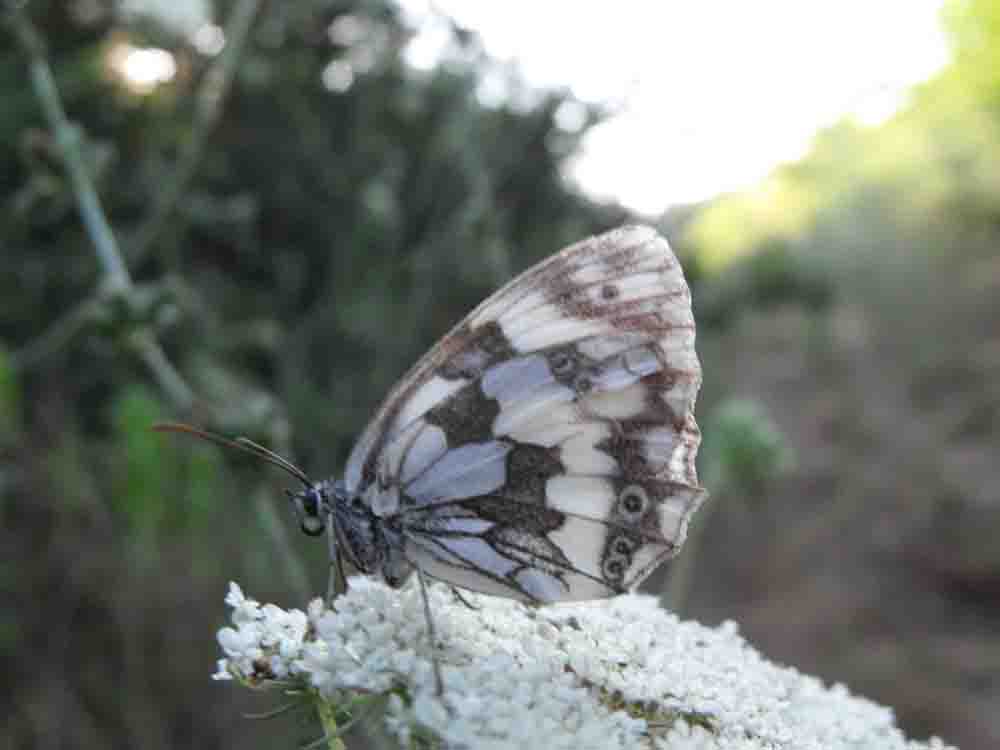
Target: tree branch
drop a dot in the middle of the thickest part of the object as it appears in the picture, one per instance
(68, 138)
(207, 110)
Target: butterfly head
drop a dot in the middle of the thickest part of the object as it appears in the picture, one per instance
(311, 506)
(357, 530)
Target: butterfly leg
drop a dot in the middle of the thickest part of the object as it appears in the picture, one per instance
(336, 583)
(432, 634)
(458, 595)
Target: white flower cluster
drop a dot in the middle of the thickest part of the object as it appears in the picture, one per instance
(621, 673)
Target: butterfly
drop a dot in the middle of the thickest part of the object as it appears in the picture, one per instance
(544, 449)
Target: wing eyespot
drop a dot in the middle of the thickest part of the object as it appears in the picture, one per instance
(562, 363)
(633, 502)
(613, 568)
(621, 546)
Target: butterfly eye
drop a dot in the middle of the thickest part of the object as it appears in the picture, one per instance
(583, 384)
(633, 502)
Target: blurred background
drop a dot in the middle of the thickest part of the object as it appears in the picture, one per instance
(304, 196)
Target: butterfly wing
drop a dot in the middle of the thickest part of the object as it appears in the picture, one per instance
(545, 448)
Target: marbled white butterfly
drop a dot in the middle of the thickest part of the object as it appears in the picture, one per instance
(544, 449)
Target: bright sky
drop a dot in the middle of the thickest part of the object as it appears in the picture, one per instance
(711, 95)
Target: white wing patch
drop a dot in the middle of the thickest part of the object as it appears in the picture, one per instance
(593, 258)
(583, 542)
(539, 585)
(676, 511)
(586, 496)
(429, 445)
(580, 453)
(467, 471)
(442, 564)
(603, 347)
(550, 427)
(624, 404)
(434, 391)
(533, 404)
(509, 381)
(547, 327)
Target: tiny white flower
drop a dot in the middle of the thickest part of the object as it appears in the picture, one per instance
(234, 597)
(222, 670)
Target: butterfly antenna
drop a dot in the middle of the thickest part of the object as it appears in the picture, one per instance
(240, 443)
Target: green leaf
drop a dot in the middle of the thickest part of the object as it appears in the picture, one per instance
(744, 449)
(143, 475)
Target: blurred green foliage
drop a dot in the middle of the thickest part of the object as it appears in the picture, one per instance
(771, 276)
(320, 244)
(159, 487)
(141, 494)
(744, 450)
(856, 292)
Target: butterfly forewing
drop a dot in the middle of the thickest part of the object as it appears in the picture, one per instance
(545, 448)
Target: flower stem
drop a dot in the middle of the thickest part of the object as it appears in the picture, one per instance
(328, 719)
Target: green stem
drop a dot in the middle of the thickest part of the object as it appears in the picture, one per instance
(166, 375)
(69, 139)
(207, 110)
(328, 719)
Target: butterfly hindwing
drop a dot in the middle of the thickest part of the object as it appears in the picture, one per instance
(590, 537)
(544, 449)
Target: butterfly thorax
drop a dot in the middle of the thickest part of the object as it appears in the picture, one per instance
(357, 529)
(367, 541)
